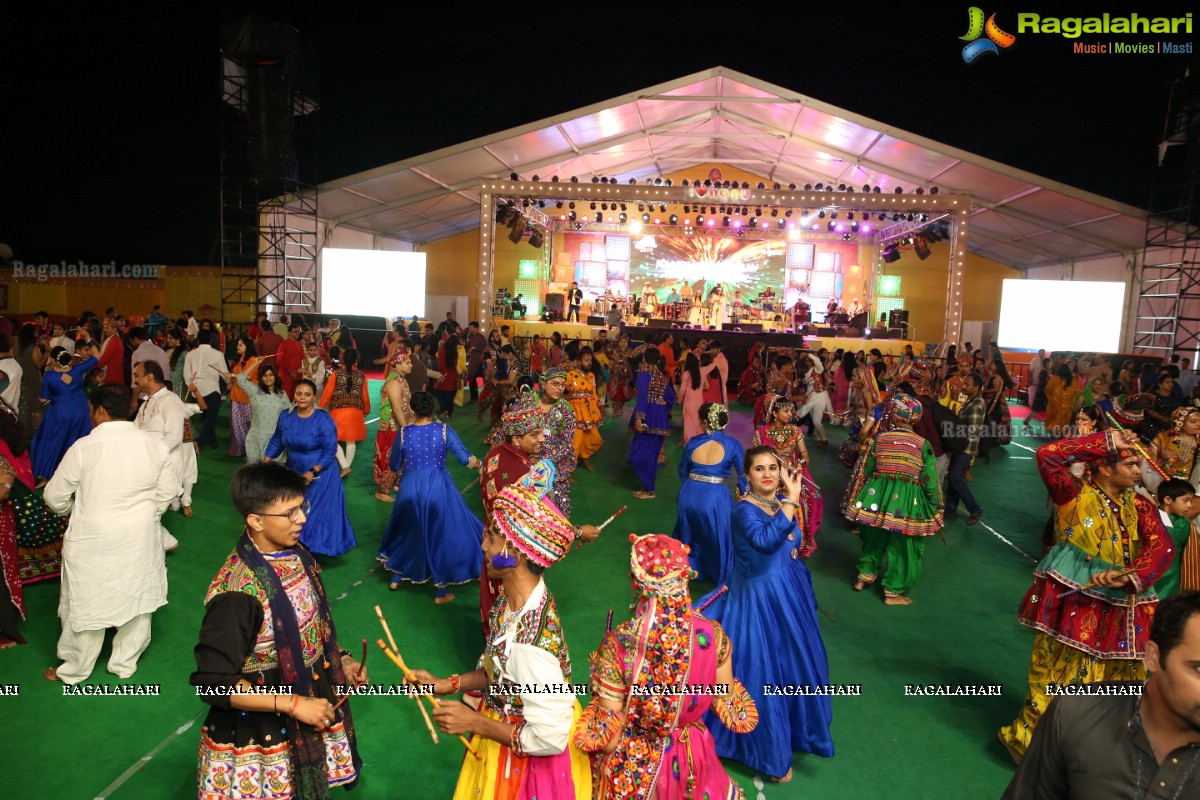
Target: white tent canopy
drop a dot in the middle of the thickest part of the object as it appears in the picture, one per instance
(721, 116)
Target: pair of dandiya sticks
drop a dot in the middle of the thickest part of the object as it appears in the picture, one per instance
(1154, 465)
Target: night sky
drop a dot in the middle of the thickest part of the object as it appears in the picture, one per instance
(111, 125)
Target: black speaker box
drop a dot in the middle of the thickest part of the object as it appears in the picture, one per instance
(661, 323)
(826, 331)
(595, 320)
(744, 327)
(555, 302)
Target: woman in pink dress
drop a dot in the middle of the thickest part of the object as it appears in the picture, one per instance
(843, 375)
(650, 746)
(691, 395)
(787, 440)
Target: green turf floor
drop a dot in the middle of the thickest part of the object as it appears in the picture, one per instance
(960, 630)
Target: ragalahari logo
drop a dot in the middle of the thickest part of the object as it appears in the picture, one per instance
(976, 28)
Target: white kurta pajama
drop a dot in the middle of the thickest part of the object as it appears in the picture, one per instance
(115, 482)
(162, 416)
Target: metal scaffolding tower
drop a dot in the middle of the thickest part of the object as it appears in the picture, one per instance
(269, 236)
(1168, 312)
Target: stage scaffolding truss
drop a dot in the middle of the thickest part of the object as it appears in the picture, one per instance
(1168, 312)
(268, 192)
(525, 198)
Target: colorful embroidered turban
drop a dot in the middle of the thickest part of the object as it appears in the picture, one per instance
(920, 371)
(554, 372)
(906, 409)
(401, 356)
(660, 564)
(524, 416)
(535, 527)
(1130, 409)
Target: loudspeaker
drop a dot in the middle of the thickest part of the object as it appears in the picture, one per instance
(595, 320)
(826, 331)
(898, 318)
(661, 323)
(271, 126)
(555, 302)
(744, 327)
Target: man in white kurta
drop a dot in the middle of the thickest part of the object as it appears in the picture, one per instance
(163, 415)
(115, 483)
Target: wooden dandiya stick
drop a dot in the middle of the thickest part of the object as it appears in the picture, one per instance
(712, 599)
(1138, 446)
(608, 624)
(435, 702)
(620, 511)
(420, 705)
(361, 665)
(1089, 584)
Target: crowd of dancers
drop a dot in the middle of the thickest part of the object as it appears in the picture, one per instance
(683, 683)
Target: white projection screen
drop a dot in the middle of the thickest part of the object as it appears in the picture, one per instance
(1049, 314)
(372, 283)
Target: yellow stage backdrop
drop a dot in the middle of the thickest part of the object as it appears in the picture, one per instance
(923, 287)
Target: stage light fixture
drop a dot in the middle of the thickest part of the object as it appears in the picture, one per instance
(658, 181)
(808, 187)
(829, 226)
(622, 217)
(687, 209)
(866, 188)
(674, 219)
(599, 217)
(841, 187)
(604, 206)
(847, 236)
(641, 206)
(536, 239)
(854, 226)
(895, 217)
(821, 214)
(758, 212)
(865, 229)
(745, 211)
(924, 218)
(571, 204)
(850, 215)
(774, 212)
(559, 204)
(761, 186)
(882, 216)
(707, 183)
(712, 222)
(554, 179)
(776, 186)
(645, 218)
(512, 176)
(685, 182)
(574, 179)
(920, 190)
(725, 222)
(899, 190)
(745, 184)
(535, 179)
(699, 219)
(662, 207)
(754, 222)
(712, 209)
(541, 203)
(562, 217)
(595, 179)
(603, 179)
(658, 221)
(910, 217)
(891, 254)
(833, 214)
(593, 206)
(934, 190)
(787, 213)
(571, 216)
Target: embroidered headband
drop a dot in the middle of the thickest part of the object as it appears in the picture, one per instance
(554, 372)
(401, 356)
(660, 564)
(906, 409)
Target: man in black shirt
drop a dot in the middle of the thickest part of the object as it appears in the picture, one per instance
(574, 301)
(1129, 744)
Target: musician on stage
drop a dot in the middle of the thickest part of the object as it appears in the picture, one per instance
(767, 298)
(673, 297)
(855, 308)
(685, 292)
(649, 301)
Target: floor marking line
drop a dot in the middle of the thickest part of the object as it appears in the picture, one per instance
(999, 536)
(372, 419)
(463, 491)
(141, 762)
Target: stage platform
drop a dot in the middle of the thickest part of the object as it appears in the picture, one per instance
(735, 344)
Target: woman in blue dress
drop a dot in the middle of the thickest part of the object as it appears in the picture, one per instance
(68, 416)
(770, 611)
(432, 534)
(309, 436)
(704, 505)
(650, 422)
